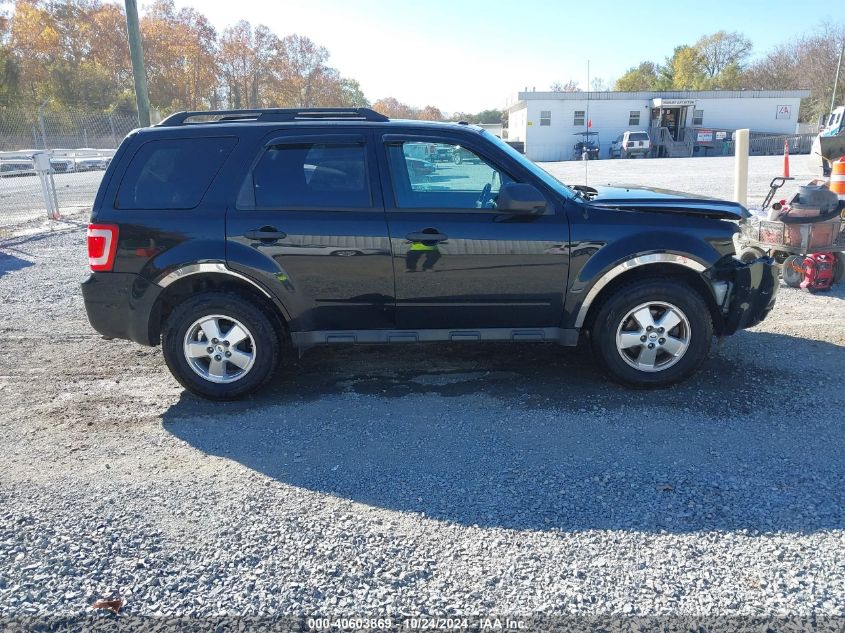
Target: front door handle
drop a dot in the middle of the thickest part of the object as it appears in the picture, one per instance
(266, 234)
(422, 236)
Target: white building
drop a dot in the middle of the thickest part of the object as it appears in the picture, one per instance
(679, 123)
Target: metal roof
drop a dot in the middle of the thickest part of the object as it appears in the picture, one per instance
(654, 94)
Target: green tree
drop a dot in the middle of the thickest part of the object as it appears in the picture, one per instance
(8, 68)
(351, 94)
(687, 69)
(639, 78)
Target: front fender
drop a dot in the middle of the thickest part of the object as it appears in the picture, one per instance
(608, 261)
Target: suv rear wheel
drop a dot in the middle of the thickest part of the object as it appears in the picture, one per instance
(652, 333)
(220, 345)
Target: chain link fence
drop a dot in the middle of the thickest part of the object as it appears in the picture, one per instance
(80, 144)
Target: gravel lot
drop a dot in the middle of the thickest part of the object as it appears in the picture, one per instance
(21, 198)
(420, 480)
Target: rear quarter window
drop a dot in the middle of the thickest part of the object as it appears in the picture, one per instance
(172, 173)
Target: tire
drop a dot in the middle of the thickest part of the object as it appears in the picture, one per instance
(184, 337)
(616, 334)
(793, 277)
(750, 253)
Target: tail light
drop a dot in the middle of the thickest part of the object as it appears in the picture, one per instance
(102, 244)
(629, 144)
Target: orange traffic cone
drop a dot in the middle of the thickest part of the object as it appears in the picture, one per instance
(785, 158)
(837, 178)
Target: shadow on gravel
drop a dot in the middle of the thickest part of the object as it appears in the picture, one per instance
(10, 263)
(533, 437)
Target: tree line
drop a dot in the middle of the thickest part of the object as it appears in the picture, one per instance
(57, 54)
(722, 61)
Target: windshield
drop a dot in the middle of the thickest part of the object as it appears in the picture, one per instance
(542, 174)
(638, 136)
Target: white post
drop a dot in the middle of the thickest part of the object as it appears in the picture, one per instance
(41, 161)
(741, 166)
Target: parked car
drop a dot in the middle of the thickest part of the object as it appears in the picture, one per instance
(442, 153)
(92, 163)
(16, 167)
(630, 144)
(62, 165)
(462, 155)
(195, 235)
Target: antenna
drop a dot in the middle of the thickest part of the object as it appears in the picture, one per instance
(584, 155)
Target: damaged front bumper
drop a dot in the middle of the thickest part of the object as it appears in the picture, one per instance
(744, 292)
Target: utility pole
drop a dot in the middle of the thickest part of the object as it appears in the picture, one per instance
(136, 52)
(836, 81)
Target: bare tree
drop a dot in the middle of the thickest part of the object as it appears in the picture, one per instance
(569, 86)
(807, 61)
(722, 49)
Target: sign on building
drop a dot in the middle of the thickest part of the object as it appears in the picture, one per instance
(784, 112)
(704, 136)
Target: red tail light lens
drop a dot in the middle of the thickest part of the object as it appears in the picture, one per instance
(102, 244)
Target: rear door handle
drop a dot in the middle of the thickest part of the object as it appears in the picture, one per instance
(266, 234)
(426, 237)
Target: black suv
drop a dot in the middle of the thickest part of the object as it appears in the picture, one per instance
(232, 237)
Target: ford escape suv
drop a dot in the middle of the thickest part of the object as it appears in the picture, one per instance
(236, 238)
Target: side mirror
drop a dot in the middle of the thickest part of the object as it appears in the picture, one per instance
(518, 197)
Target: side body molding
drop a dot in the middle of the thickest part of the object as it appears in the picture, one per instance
(206, 267)
(642, 260)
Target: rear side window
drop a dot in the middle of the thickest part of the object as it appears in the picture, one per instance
(172, 173)
(318, 175)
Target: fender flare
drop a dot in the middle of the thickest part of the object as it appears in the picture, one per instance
(634, 262)
(206, 267)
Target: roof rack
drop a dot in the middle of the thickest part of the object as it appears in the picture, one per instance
(273, 114)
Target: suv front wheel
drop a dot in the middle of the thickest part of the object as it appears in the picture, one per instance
(220, 345)
(652, 333)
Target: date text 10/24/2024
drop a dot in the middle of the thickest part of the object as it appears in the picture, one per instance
(415, 623)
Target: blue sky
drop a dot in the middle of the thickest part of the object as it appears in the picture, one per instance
(469, 55)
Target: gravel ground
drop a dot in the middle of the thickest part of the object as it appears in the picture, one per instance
(21, 199)
(417, 480)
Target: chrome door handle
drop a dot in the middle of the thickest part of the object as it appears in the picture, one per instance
(266, 234)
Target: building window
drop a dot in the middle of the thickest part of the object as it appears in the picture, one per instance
(545, 117)
(634, 117)
(698, 117)
(579, 118)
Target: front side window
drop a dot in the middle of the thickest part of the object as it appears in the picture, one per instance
(634, 117)
(545, 117)
(318, 175)
(172, 173)
(698, 117)
(453, 178)
(578, 119)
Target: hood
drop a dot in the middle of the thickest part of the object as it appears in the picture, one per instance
(662, 201)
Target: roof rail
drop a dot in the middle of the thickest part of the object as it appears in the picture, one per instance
(273, 114)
